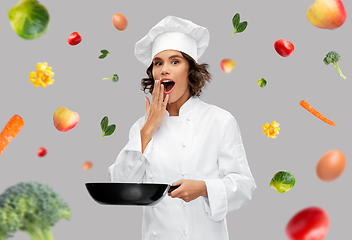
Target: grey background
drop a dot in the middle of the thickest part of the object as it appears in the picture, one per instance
(78, 86)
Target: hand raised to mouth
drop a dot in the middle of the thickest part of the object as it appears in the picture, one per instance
(154, 113)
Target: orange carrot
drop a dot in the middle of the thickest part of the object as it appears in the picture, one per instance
(308, 107)
(10, 131)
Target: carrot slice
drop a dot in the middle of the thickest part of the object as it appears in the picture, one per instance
(10, 131)
(308, 107)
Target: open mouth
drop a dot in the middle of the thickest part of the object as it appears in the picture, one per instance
(168, 86)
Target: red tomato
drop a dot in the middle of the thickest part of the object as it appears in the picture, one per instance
(74, 38)
(309, 224)
(41, 152)
(283, 47)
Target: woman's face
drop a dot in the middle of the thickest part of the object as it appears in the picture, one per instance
(171, 68)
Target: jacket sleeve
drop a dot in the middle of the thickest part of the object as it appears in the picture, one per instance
(235, 185)
(130, 164)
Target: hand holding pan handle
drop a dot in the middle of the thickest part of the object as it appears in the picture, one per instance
(171, 188)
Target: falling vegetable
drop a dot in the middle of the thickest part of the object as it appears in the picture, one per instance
(311, 223)
(42, 76)
(271, 130)
(104, 53)
(41, 152)
(333, 57)
(282, 181)
(74, 38)
(310, 109)
(106, 128)
(29, 19)
(10, 131)
(115, 78)
(237, 25)
(32, 208)
(283, 47)
(262, 82)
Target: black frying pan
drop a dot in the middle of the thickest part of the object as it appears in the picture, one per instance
(145, 194)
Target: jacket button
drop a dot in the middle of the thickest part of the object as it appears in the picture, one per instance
(154, 233)
(182, 173)
(151, 175)
(183, 145)
(186, 233)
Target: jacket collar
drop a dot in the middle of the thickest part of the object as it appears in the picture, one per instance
(188, 109)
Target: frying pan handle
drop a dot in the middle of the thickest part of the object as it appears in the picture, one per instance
(171, 188)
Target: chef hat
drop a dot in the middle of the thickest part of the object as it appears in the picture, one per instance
(172, 33)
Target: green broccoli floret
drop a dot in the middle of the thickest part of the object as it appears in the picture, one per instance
(333, 57)
(33, 208)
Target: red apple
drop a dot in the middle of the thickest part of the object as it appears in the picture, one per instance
(227, 65)
(65, 119)
(327, 14)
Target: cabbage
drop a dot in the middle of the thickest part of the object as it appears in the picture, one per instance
(29, 19)
(282, 181)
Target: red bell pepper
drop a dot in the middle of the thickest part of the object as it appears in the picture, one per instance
(311, 223)
(74, 38)
(283, 47)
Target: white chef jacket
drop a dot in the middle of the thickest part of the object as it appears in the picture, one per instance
(202, 143)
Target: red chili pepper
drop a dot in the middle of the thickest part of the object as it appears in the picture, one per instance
(283, 47)
(74, 38)
(310, 223)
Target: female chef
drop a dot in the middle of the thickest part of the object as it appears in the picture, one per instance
(183, 141)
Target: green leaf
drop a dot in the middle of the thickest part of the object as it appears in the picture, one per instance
(110, 130)
(236, 20)
(241, 27)
(104, 53)
(104, 123)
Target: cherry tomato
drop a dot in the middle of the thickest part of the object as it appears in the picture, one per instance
(87, 165)
(119, 21)
(311, 223)
(41, 152)
(74, 38)
(283, 47)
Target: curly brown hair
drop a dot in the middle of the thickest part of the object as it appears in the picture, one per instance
(197, 76)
